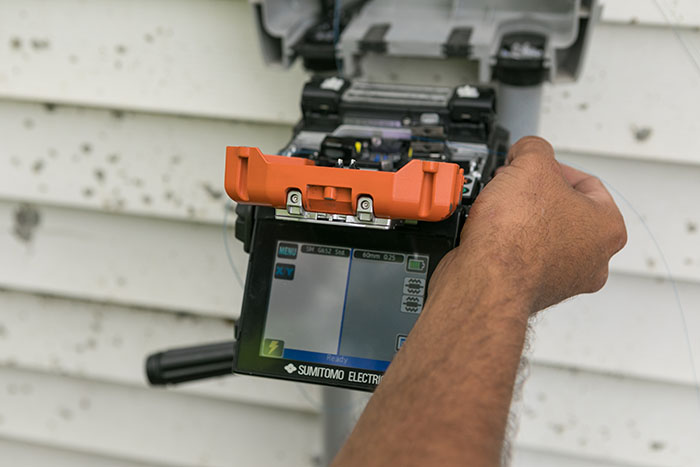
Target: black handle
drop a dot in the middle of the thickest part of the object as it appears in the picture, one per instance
(190, 363)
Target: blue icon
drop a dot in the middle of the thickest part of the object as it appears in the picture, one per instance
(287, 250)
(284, 271)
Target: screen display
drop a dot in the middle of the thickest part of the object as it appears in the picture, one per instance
(342, 306)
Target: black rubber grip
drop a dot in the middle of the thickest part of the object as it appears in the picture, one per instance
(190, 363)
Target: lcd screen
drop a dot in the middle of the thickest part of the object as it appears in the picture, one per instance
(342, 306)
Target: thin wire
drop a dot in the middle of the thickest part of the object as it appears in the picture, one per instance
(674, 286)
(669, 275)
(675, 28)
(336, 35)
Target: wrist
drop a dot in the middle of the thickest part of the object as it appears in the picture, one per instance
(496, 283)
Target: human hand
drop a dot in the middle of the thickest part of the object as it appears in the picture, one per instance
(540, 231)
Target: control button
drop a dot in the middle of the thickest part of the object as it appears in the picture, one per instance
(414, 286)
(411, 304)
(272, 348)
(400, 339)
(287, 250)
(416, 264)
(284, 271)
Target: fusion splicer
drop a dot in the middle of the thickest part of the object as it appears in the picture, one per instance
(347, 223)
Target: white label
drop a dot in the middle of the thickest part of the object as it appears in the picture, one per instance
(334, 83)
(467, 91)
(321, 372)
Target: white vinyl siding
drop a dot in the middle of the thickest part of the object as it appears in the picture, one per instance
(114, 115)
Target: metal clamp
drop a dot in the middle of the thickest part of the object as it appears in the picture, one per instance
(365, 209)
(294, 206)
(364, 217)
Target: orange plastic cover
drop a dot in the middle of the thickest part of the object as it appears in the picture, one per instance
(420, 190)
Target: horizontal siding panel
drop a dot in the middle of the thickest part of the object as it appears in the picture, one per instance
(573, 415)
(531, 458)
(659, 204)
(173, 56)
(151, 426)
(160, 166)
(616, 420)
(668, 13)
(32, 455)
(109, 343)
(178, 266)
(632, 327)
(631, 101)
(201, 58)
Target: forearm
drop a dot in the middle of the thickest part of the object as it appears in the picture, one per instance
(445, 398)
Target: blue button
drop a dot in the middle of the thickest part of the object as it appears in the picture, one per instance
(284, 271)
(287, 250)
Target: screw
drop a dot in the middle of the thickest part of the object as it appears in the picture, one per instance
(364, 204)
(294, 198)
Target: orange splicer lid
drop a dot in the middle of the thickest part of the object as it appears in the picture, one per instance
(420, 190)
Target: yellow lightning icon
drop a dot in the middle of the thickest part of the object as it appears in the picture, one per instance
(272, 347)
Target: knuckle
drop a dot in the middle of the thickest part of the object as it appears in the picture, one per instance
(532, 139)
(596, 181)
(533, 144)
(591, 184)
(618, 233)
(598, 281)
(622, 236)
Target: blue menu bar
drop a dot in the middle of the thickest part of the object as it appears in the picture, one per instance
(337, 360)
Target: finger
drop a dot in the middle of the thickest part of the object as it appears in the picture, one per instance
(594, 189)
(530, 146)
(573, 176)
(585, 183)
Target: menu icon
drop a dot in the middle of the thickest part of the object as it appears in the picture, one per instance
(287, 250)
